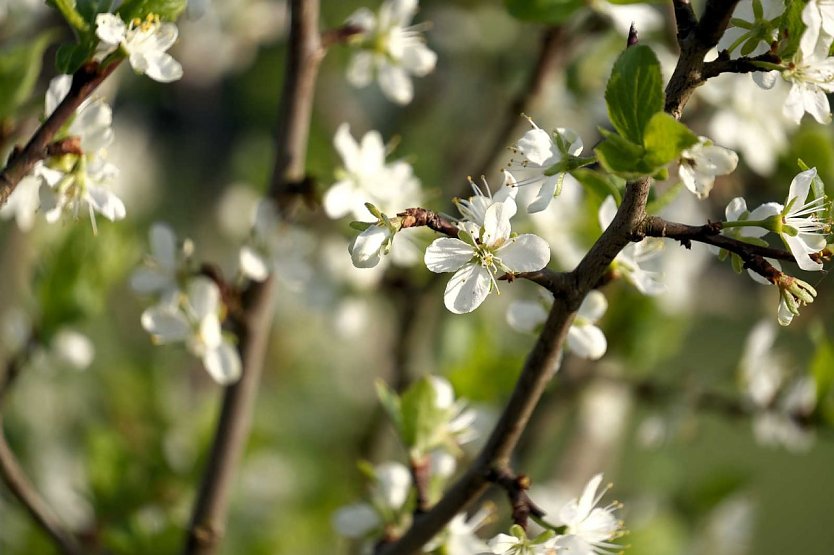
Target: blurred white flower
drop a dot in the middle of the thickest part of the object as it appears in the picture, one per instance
(276, 247)
(391, 49)
(584, 340)
(159, 273)
(737, 121)
(73, 348)
(195, 321)
(365, 177)
(388, 494)
(24, 201)
(145, 43)
(633, 261)
(459, 537)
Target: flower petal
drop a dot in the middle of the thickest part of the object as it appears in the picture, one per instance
(467, 289)
(447, 255)
(525, 253)
(223, 363)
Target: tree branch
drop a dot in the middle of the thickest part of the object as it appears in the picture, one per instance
(14, 477)
(295, 109)
(21, 161)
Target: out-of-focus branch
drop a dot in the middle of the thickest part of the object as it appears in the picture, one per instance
(685, 19)
(15, 478)
(21, 161)
(254, 323)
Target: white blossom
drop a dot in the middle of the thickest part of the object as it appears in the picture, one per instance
(477, 263)
(388, 495)
(77, 183)
(366, 178)
(811, 76)
(818, 17)
(195, 320)
(145, 43)
(459, 537)
(585, 339)
(24, 201)
(391, 49)
(701, 163)
(519, 544)
(802, 229)
(632, 262)
(159, 273)
(588, 529)
(541, 154)
(736, 210)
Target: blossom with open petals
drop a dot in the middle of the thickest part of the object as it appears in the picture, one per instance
(160, 271)
(195, 320)
(145, 43)
(391, 49)
(818, 17)
(811, 76)
(386, 507)
(366, 177)
(702, 162)
(588, 529)
(803, 230)
(477, 261)
(541, 155)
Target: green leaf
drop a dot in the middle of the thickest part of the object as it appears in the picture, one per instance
(20, 66)
(167, 10)
(634, 92)
(71, 56)
(601, 185)
(665, 138)
(544, 11)
(420, 417)
(390, 403)
(622, 157)
(89, 9)
(791, 28)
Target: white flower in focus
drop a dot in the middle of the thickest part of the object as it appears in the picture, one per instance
(793, 294)
(802, 230)
(589, 529)
(144, 42)
(195, 320)
(366, 177)
(391, 49)
(160, 269)
(474, 208)
(632, 261)
(369, 246)
(701, 163)
(478, 261)
(584, 340)
(818, 16)
(736, 210)
(540, 152)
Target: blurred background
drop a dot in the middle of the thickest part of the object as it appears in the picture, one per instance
(114, 431)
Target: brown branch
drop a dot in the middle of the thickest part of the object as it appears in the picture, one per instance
(516, 489)
(723, 64)
(15, 478)
(295, 108)
(694, 46)
(21, 161)
(685, 19)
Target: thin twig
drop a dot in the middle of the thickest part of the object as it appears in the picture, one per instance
(295, 108)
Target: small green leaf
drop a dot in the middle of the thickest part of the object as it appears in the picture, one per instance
(601, 185)
(544, 11)
(390, 403)
(665, 138)
(420, 417)
(622, 157)
(792, 28)
(20, 66)
(634, 92)
(71, 56)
